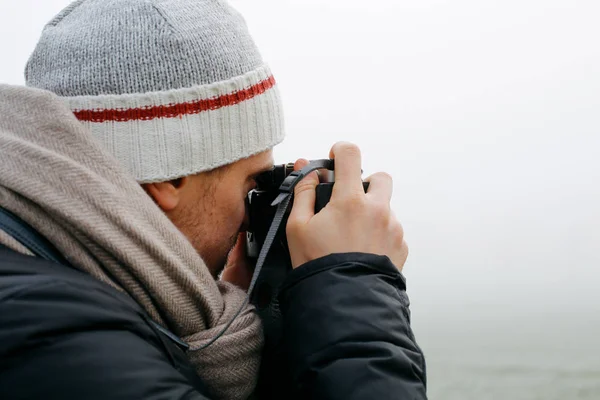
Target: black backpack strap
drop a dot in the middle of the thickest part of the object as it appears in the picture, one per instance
(29, 237)
(41, 247)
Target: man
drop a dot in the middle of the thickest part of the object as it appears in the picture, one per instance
(174, 95)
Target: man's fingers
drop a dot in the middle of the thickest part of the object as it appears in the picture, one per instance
(347, 169)
(381, 187)
(304, 195)
(403, 256)
(237, 252)
(237, 270)
(239, 249)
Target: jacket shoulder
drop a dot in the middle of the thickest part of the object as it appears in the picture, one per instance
(56, 298)
(76, 337)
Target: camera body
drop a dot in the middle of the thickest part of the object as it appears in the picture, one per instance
(261, 211)
(261, 214)
(277, 264)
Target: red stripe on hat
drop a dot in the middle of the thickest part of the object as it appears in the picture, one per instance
(174, 110)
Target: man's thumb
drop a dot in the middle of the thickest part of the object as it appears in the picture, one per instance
(304, 196)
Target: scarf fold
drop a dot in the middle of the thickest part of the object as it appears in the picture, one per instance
(55, 177)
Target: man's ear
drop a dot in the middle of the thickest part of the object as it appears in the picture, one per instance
(167, 195)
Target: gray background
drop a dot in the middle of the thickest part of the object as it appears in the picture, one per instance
(486, 113)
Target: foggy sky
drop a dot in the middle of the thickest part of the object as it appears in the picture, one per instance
(486, 113)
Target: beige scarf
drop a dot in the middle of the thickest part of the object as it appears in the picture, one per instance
(59, 180)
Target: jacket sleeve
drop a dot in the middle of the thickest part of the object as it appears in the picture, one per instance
(347, 331)
(63, 345)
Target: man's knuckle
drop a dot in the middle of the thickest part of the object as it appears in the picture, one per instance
(349, 149)
(354, 201)
(292, 227)
(398, 234)
(384, 176)
(381, 212)
(303, 187)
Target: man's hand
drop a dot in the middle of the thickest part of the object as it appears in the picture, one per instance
(352, 221)
(238, 269)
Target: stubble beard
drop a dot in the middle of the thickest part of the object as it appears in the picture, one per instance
(201, 230)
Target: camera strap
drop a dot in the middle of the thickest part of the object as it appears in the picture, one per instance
(282, 202)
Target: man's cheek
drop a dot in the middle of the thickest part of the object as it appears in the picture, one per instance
(235, 217)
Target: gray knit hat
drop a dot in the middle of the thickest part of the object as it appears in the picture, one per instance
(169, 87)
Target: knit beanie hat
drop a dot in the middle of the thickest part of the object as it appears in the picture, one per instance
(170, 87)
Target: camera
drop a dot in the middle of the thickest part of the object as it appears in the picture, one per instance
(268, 219)
(261, 215)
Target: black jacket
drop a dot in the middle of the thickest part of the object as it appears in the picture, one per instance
(65, 335)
